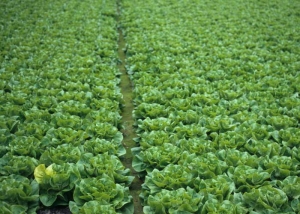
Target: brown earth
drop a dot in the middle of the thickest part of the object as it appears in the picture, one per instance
(127, 119)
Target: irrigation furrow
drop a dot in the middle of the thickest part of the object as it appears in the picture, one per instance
(127, 119)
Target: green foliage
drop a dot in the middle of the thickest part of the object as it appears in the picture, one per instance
(55, 137)
(101, 191)
(56, 182)
(171, 177)
(60, 102)
(25, 146)
(216, 89)
(103, 164)
(281, 167)
(221, 187)
(247, 178)
(92, 207)
(225, 207)
(290, 137)
(290, 185)
(18, 194)
(267, 198)
(100, 146)
(178, 201)
(64, 153)
(18, 165)
(218, 85)
(156, 157)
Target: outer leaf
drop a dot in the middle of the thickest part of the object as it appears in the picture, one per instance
(104, 190)
(18, 194)
(266, 198)
(91, 207)
(172, 201)
(55, 182)
(21, 165)
(291, 186)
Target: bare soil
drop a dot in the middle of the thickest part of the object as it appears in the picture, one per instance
(127, 118)
(55, 210)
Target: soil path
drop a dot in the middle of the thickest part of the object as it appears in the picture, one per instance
(127, 119)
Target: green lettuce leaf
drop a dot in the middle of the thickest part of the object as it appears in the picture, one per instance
(35, 114)
(295, 153)
(206, 166)
(263, 147)
(104, 116)
(234, 157)
(228, 140)
(251, 129)
(190, 131)
(180, 104)
(103, 131)
(44, 102)
(110, 165)
(152, 110)
(221, 187)
(196, 145)
(280, 167)
(25, 146)
(156, 124)
(174, 201)
(156, 157)
(295, 205)
(7, 208)
(238, 105)
(102, 189)
(170, 178)
(154, 138)
(56, 182)
(18, 194)
(92, 207)
(266, 198)
(5, 138)
(291, 186)
(19, 165)
(66, 120)
(73, 108)
(100, 146)
(65, 153)
(61, 135)
(37, 129)
(221, 124)
(290, 137)
(213, 111)
(188, 117)
(247, 178)
(281, 122)
(213, 205)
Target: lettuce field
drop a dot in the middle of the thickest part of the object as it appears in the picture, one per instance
(214, 87)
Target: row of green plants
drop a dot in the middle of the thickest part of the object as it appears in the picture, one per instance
(60, 108)
(216, 104)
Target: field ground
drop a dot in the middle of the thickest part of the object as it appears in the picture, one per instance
(132, 106)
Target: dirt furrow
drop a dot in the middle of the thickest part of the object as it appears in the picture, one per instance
(127, 118)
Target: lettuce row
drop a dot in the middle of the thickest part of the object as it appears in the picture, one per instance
(216, 104)
(60, 107)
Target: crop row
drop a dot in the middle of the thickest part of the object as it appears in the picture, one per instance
(217, 104)
(60, 108)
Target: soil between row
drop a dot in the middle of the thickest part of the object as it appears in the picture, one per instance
(127, 118)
